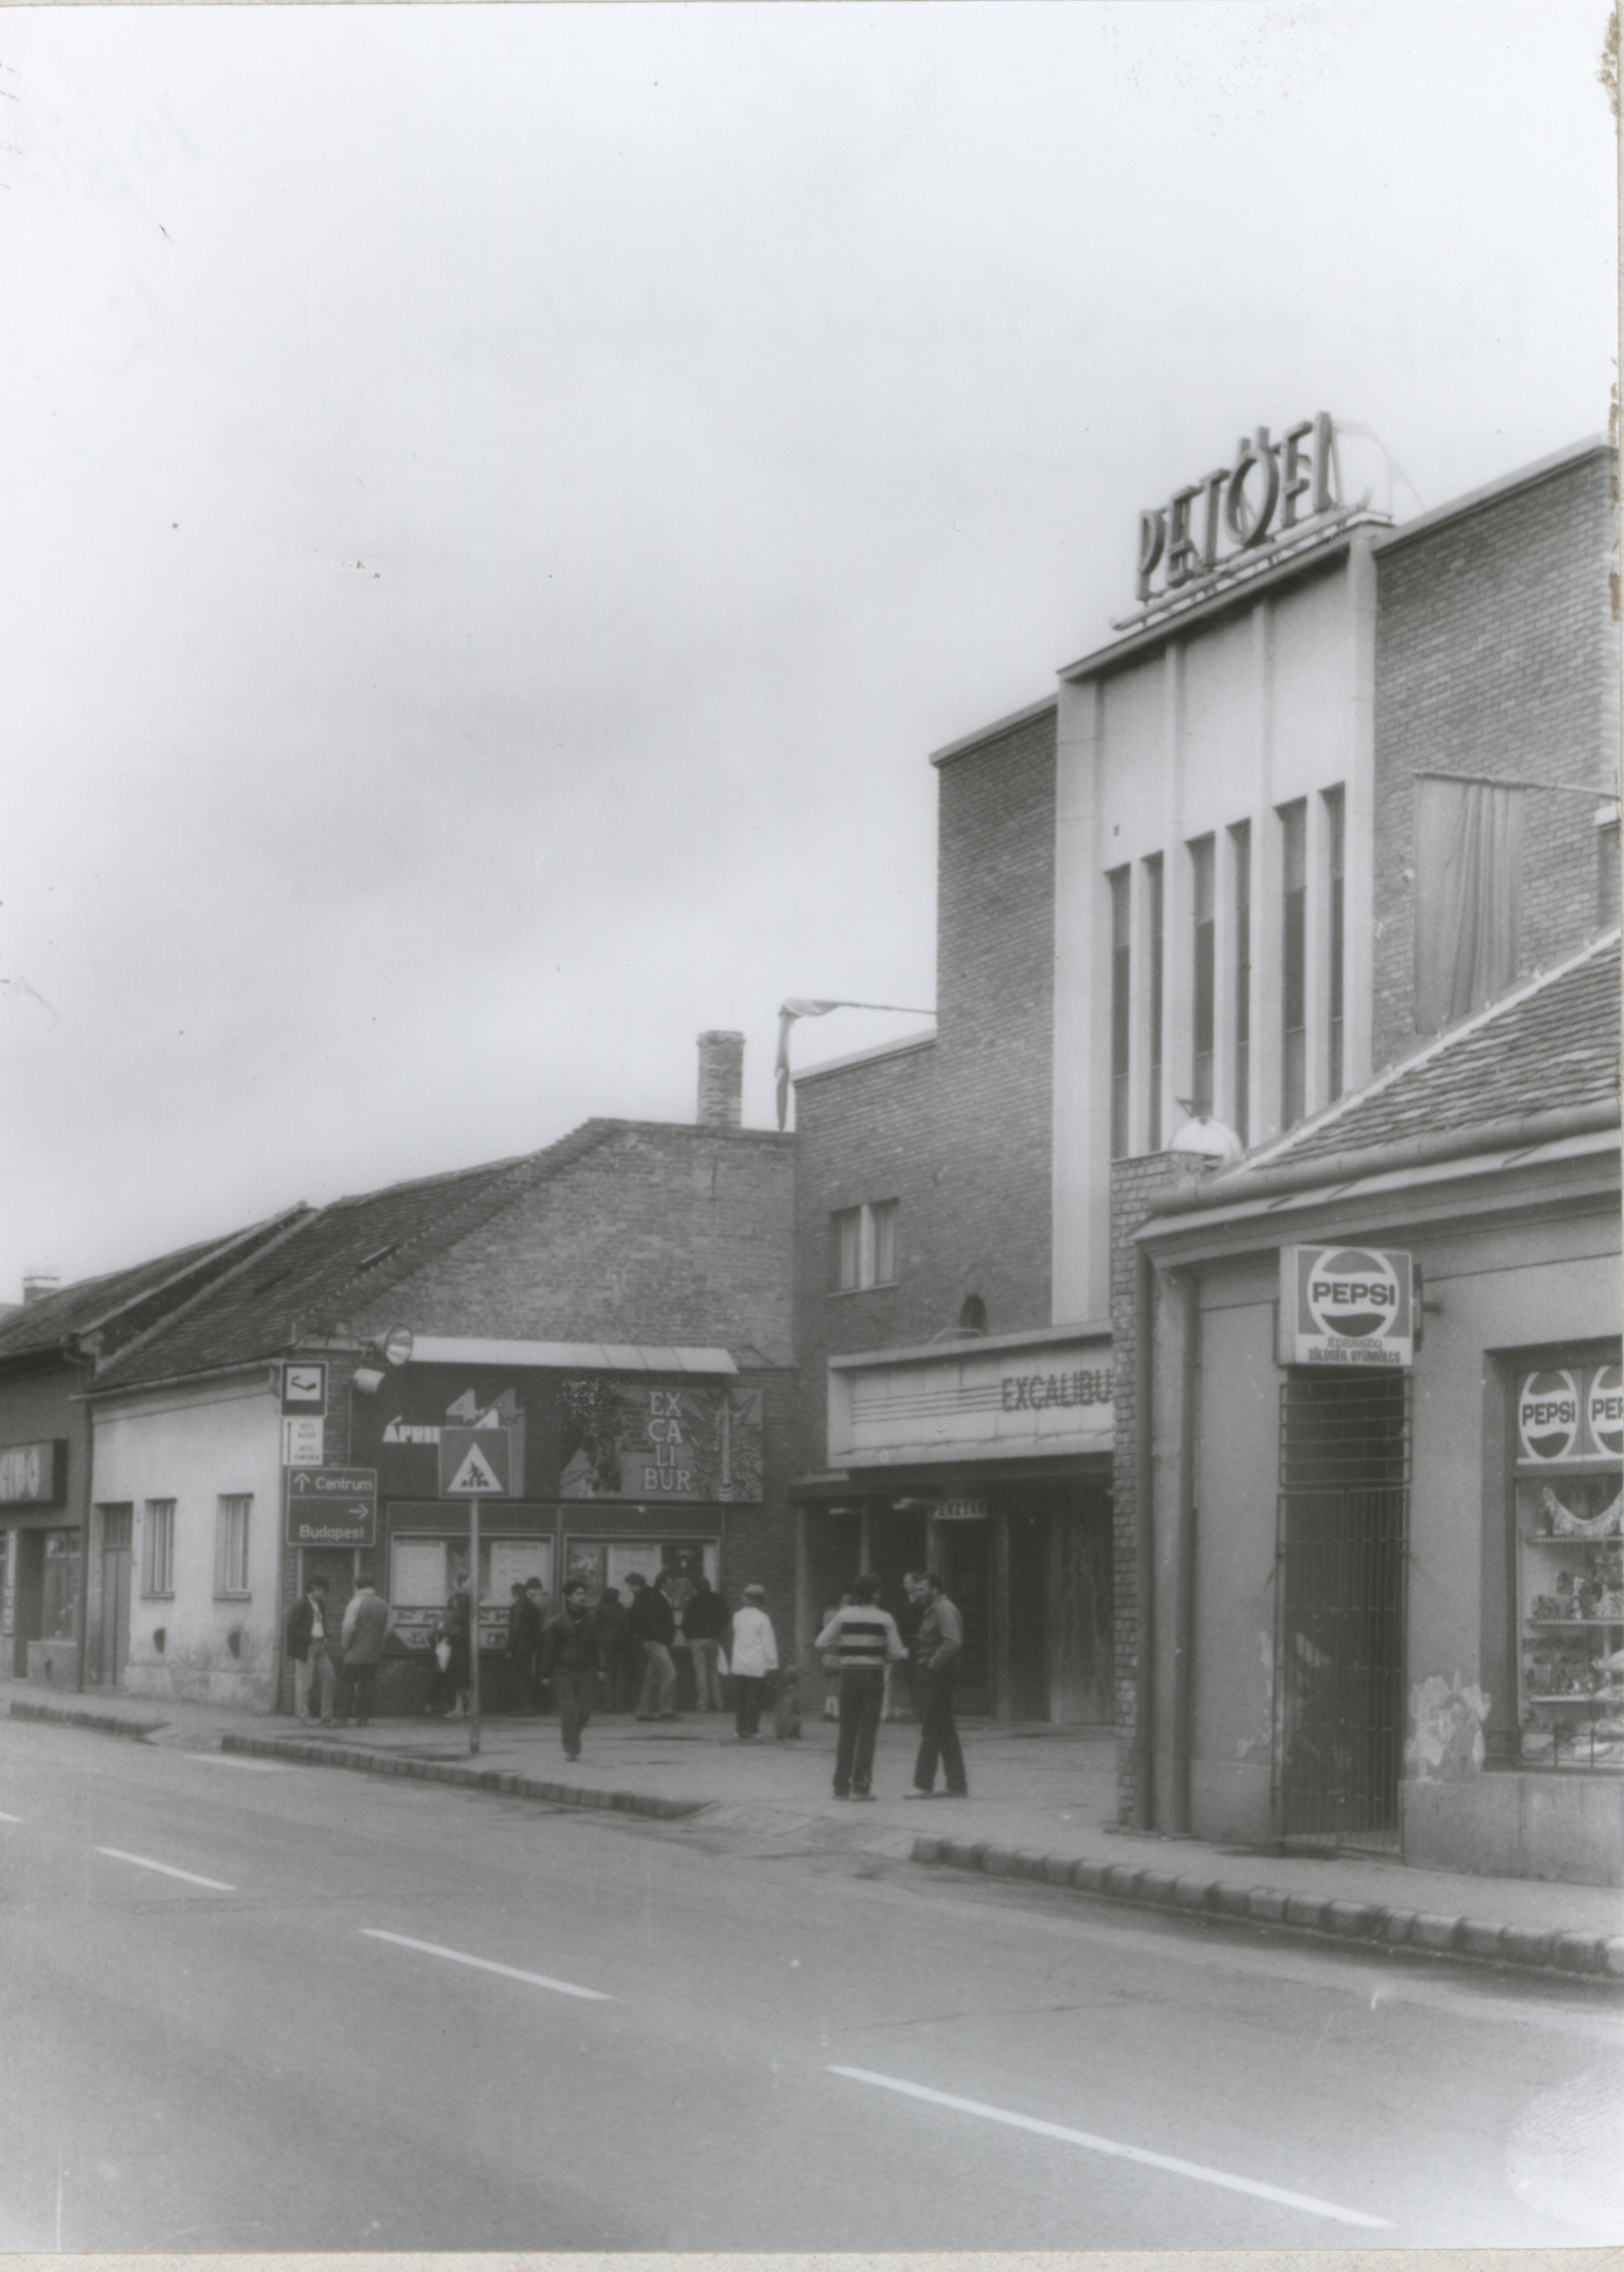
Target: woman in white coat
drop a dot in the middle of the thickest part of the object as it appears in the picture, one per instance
(754, 1654)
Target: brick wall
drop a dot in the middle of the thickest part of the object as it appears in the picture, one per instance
(1136, 1188)
(957, 1130)
(1496, 654)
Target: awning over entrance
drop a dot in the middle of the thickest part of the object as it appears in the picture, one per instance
(1042, 1394)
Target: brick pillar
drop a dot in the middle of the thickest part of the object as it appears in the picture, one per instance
(1137, 1188)
(721, 1080)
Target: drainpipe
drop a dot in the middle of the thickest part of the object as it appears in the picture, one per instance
(1144, 1550)
(1184, 1613)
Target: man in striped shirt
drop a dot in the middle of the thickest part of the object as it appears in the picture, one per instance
(865, 1640)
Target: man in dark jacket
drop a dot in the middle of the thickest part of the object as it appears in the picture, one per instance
(653, 1624)
(365, 1630)
(309, 1631)
(524, 1643)
(619, 1653)
(571, 1661)
(705, 1620)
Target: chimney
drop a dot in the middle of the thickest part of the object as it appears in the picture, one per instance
(37, 1284)
(721, 1080)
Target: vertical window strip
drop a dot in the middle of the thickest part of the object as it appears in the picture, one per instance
(1240, 840)
(884, 1217)
(1121, 1000)
(1293, 961)
(1153, 886)
(231, 1544)
(1335, 811)
(1204, 1001)
(157, 1532)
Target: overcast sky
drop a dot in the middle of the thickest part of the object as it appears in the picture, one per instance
(500, 503)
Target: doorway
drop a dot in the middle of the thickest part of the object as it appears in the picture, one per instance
(117, 1536)
(965, 1552)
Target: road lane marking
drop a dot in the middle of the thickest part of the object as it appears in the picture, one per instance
(1140, 2154)
(167, 1870)
(11, 1818)
(484, 1964)
(225, 1760)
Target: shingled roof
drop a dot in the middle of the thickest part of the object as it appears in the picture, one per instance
(329, 1263)
(1552, 1045)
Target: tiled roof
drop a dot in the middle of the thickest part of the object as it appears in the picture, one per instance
(331, 1262)
(44, 1325)
(1552, 1045)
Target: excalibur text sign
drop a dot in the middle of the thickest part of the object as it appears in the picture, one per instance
(332, 1507)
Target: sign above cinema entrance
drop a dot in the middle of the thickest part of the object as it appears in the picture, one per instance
(1267, 490)
(1045, 1394)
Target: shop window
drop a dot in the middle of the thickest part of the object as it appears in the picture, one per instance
(865, 1246)
(231, 1546)
(59, 1609)
(157, 1547)
(606, 1563)
(425, 1571)
(1567, 1432)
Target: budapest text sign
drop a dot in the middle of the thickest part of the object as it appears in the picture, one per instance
(1346, 1305)
(332, 1507)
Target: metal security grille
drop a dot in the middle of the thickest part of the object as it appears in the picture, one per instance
(1339, 1641)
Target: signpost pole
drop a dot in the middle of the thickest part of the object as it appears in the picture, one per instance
(473, 1627)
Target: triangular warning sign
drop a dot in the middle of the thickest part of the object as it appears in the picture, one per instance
(475, 1473)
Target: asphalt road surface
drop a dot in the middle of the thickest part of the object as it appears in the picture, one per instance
(252, 2006)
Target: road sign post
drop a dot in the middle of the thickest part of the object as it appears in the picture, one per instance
(475, 1464)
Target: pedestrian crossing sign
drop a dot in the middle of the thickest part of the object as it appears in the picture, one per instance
(476, 1462)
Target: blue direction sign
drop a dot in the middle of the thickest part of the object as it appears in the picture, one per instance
(476, 1462)
(332, 1507)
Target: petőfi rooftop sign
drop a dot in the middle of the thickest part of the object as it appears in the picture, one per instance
(1346, 1305)
(1269, 489)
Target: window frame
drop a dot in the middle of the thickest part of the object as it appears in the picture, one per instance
(863, 1246)
(158, 1520)
(233, 1512)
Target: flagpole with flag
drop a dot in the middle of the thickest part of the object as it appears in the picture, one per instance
(797, 1007)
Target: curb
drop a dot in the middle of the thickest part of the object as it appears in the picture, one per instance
(1597, 1958)
(104, 1724)
(510, 1785)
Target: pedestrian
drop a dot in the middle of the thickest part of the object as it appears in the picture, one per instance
(367, 1621)
(908, 1624)
(832, 1662)
(309, 1632)
(754, 1656)
(452, 1686)
(621, 1656)
(653, 1624)
(570, 1660)
(936, 1652)
(787, 1704)
(525, 1626)
(864, 1638)
(704, 1626)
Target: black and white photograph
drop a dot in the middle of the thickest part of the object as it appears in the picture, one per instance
(809, 999)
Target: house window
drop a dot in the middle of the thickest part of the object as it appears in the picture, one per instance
(865, 1246)
(1241, 847)
(1153, 889)
(1335, 833)
(1121, 973)
(1293, 961)
(231, 1546)
(1202, 997)
(158, 1557)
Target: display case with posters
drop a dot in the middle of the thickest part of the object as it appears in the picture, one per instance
(606, 1562)
(423, 1570)
(1569, 1518)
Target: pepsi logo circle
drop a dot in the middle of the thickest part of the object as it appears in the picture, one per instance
(1352, 1294)
(1548, 1415)
(1603, 1403)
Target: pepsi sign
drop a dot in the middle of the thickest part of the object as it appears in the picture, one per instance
(1346, 1305)
(1548, 1405)
(1603, 1412)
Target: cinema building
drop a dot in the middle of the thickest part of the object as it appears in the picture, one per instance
(1184, 900)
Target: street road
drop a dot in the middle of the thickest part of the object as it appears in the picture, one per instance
(252, 2006)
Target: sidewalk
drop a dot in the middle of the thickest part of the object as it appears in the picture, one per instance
(1043, 1805)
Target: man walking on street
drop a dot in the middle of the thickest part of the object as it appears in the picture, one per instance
(523, 1640)
(571, 1661)
(936, 1652)
(865, 1640)
(653, 1624)
(309, 1631)
(362, 1634)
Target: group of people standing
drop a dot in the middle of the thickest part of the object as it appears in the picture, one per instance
(583, 1652)
(864, 1642)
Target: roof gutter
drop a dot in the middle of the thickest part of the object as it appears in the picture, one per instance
(1531, 1129)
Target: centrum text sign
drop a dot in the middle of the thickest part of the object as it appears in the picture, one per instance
(332, 1507)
